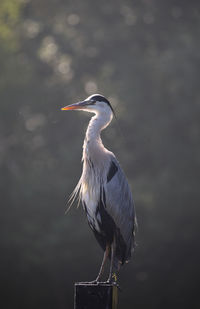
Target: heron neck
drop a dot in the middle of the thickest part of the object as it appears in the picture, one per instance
(96, 125)
(93, 145)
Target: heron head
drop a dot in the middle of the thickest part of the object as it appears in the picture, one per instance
(95, 103)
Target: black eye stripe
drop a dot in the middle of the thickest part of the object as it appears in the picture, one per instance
(101, 99)
(91, 102)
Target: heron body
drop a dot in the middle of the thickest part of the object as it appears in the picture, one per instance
(104, 190)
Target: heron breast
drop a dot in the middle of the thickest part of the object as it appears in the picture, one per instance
(89, 196)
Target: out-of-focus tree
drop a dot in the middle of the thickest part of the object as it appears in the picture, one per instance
(10, 13)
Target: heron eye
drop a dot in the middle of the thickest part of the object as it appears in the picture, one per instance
(92, 102)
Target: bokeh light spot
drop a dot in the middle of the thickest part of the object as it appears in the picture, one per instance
(91, 87)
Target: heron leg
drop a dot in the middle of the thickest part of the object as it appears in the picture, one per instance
(112, 275)
(106, 253)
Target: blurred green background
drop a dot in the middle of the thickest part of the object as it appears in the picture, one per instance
(143, 55)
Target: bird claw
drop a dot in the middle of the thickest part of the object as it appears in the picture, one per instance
(113, 281)
(95, 282)
(89, 282)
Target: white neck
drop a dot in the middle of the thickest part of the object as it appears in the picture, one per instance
(97, 123)
(92, 142)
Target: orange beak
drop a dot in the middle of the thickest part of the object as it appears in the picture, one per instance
(79, 105)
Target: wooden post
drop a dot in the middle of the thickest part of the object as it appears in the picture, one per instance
(95, 296)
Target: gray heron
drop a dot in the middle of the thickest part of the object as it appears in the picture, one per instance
(104, 191)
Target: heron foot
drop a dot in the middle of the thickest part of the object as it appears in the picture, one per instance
(113, 280)
(95, 282)
(89, 282)
(114, 283)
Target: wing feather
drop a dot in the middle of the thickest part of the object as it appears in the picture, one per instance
(120, 206)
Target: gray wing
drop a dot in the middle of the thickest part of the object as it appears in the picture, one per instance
(120, 205)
